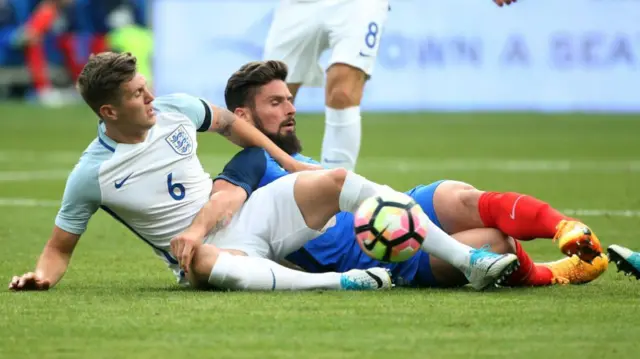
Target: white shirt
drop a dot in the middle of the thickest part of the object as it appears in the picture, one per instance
(155, 188)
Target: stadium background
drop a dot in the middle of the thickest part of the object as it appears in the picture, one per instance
(541, 98)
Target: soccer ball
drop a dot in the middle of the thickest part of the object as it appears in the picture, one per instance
(390, 227)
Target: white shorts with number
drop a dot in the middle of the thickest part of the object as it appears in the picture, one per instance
(269, 225)
(302, 30)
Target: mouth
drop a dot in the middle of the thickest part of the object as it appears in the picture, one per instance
(289, 124)
(150, 112)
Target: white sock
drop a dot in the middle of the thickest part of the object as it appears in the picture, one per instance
(342, 133)
(445, 247)
(357, 189)
(254, 273)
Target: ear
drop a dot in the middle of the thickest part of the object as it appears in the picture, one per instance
(243, 113)
(108, 112)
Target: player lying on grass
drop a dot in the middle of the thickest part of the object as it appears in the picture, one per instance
(143, 170)
(257, 93)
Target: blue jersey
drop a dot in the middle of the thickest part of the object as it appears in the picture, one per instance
(336, 250)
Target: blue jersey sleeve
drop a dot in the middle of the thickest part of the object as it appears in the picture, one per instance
(245, 169)
(197, 110)
(273, 171)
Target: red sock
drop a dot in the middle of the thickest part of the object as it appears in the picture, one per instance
(43, 18)
(36, 62)
(35, 58)
(67, 44)
(99, 44)
(529, 273)
(519, 216)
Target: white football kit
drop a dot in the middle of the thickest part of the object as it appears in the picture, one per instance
(303, 29)
(157, 187)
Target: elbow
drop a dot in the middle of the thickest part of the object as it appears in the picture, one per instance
(228, 199)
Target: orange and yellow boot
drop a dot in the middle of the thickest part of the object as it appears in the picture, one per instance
(573, 270)
(576, 238)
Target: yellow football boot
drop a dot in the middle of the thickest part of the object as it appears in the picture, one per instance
(576, 238)
(573, 270)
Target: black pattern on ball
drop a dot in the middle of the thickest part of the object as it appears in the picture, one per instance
(378, 235)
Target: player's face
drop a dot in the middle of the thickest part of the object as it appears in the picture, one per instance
(134, 107)
(274, 107)
(275, 115)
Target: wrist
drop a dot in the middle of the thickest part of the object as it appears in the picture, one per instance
(198, 232)
(287, 162)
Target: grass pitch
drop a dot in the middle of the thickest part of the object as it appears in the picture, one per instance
(118, 301)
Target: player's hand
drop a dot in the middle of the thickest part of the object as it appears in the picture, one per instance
(297, 166)
(28, 281)
(504, 2)
(183, 247)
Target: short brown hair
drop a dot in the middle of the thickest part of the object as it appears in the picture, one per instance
(100, 79)
(242, 86)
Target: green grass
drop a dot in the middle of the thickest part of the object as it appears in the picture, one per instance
(118, 301)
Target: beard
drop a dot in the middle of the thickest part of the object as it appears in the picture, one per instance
(288, 141)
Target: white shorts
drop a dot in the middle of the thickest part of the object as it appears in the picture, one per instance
(269, 225)
(301, 31)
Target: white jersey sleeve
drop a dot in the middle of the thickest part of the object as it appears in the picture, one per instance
(196, 109)
(82, 196)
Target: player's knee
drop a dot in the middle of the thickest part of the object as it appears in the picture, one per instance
(341, 97)
(465, 194)
(500, 242)
(204, 258)
(337, 176)
(345, 85)
(455, 194)
(330, 182)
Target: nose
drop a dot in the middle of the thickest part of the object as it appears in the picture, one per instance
(148, 96)
(291, 108)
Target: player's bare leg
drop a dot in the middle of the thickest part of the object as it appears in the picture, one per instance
(212, 267)
(570, 270)
(460, 206)
(293, 88)
(342, 132)
(321, 194)
(448, 276)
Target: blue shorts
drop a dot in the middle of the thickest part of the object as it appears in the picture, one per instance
(337, 250)
(423, 195)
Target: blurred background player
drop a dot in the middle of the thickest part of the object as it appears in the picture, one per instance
(52, 39)
(126, 32)
(301, 31)
(40, 25)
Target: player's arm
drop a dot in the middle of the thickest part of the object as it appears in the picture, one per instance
(207, 117)
(225, 200)
(52, 264)
(246, 135)
(80, 201)
(239, 178)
